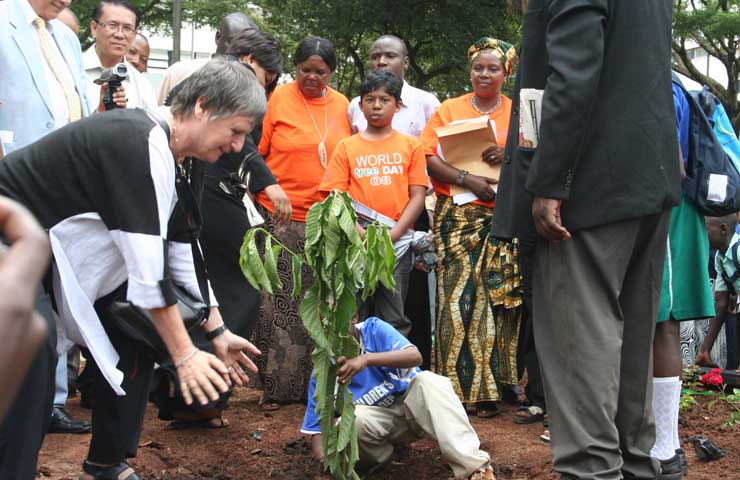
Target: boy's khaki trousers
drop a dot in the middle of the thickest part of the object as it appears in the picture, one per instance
(429, 406)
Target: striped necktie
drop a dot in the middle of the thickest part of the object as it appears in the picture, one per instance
(73, 100)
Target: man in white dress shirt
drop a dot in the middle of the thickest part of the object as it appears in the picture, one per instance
(114, 26)
(389, 53)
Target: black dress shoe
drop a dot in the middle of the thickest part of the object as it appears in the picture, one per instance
(684, 464)
(671, 469)
(61, 422)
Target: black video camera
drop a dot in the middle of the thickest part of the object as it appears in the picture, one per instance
(113, 76)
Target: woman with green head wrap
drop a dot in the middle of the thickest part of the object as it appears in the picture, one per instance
(478, 279)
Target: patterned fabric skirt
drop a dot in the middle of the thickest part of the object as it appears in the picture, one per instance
(479, 302)
(285, 363)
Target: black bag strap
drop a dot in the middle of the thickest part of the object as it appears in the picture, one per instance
(186, 197)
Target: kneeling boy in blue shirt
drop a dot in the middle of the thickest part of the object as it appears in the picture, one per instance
(395, 401)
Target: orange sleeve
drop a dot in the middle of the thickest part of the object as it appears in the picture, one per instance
(267, 129)
(337, 172)
(418, 167)
(429, 137)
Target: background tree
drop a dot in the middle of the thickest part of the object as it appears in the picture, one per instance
(157, 14)
(713, 25)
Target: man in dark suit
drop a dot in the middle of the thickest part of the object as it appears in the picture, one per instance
(597, 190)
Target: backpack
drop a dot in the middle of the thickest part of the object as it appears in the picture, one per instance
(712, 180)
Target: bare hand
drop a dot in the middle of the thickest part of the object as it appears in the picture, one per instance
(283, 207)
(493, 155)
(202, 376)
(230, 349)
(119, 97)
(546, 216)
(348, 368)
(482, 187)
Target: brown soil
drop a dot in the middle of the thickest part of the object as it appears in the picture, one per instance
(263, 446)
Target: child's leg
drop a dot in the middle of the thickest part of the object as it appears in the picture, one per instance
(432, 404)
(376, 426)
(388, 303)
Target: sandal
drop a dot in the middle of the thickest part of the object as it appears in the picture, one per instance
(529, 415)
(219, 422)
(122, 471)
(268, 406)
(488, 409)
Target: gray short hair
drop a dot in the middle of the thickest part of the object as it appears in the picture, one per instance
(228, 89)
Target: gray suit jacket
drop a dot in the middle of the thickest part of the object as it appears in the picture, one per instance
(27, 109)
(608, 146)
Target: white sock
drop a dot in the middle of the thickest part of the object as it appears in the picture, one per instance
(676, 405)
(666, 395)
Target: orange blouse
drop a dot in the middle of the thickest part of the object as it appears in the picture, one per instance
(460, 108)
(290, 142)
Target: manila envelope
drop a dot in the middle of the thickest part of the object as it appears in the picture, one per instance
(463, 142)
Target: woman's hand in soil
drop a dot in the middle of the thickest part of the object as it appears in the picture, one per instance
(232, 350)
(201, 377)
(348, 368)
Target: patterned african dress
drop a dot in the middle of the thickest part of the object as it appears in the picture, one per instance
(285, 364)
(479, 302)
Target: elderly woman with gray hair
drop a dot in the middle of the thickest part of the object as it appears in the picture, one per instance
(105, 188)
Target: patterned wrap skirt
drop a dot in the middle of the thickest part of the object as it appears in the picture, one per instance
(285, 364)
(479, 302)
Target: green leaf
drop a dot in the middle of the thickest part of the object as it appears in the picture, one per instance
(244, 263)
(271, 256)
(346, 422)
(297, 264)
(257, 268)
(710, 405)
(313, 224)
(310, 316)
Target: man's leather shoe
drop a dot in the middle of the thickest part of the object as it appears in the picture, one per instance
(61, 422)
(671, 469)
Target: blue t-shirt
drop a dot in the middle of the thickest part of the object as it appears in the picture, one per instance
(378, 386)
(683, 116)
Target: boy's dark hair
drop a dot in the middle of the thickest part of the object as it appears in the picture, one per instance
(98, 12)
(262, 46)
(311, 46)
(382, 79)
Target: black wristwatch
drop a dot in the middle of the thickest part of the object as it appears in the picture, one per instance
(216, 332)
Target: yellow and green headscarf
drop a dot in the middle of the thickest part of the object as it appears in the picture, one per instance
(503, 50)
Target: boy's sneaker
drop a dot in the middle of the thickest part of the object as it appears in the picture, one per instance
(484, 473)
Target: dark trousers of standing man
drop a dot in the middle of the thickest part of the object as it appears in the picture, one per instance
(25, 424)
(595, 300)
(526, 350)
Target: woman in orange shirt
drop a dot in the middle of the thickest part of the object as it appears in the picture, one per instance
(305, 120)
(478, 281)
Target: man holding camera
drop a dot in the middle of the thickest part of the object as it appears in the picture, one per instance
(114, 26)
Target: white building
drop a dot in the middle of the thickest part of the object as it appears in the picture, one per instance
(195, 42)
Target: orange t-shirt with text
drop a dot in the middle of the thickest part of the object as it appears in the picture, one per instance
(378, 173)
(460, 108)
(290, 142)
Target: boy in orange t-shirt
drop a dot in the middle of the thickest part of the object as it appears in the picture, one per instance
(385, 172)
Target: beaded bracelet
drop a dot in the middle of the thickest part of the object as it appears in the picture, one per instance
(461, 177)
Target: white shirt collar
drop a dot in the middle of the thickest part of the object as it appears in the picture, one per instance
(30, 14)
(91, 61)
